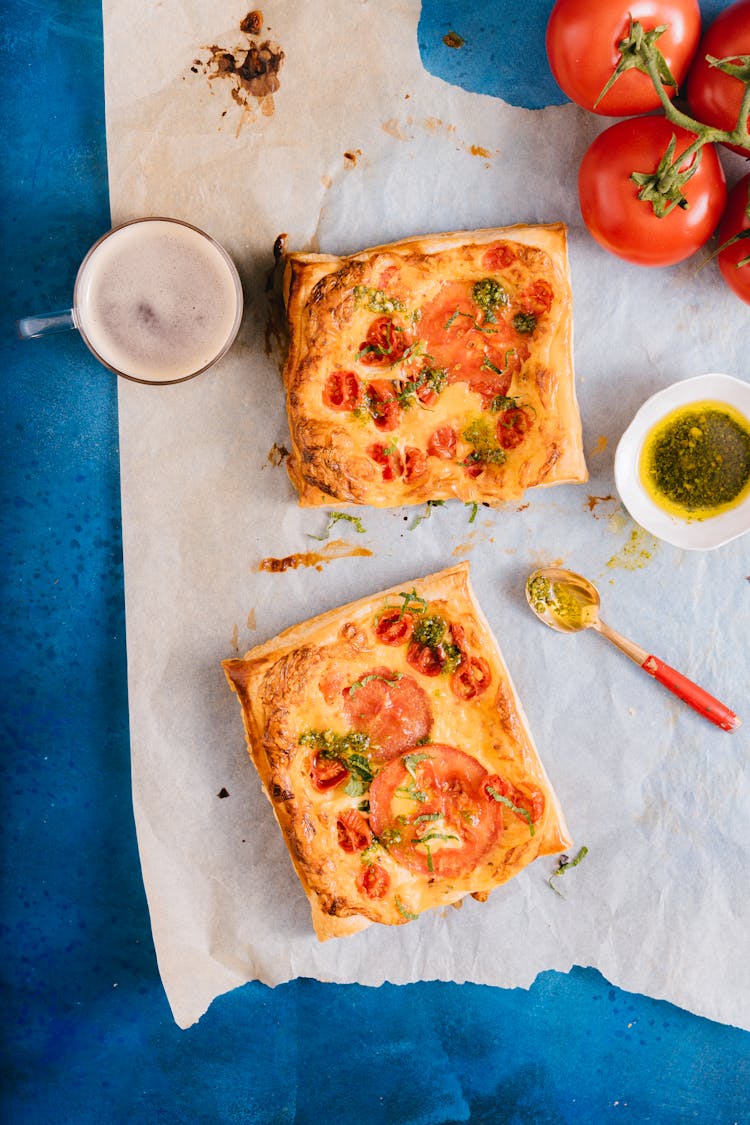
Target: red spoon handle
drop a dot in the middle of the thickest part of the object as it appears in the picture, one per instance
(691, 694)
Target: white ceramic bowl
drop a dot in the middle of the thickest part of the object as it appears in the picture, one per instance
(692, 535)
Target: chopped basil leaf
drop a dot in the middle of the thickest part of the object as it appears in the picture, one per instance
(474, 509)
(425, 817)
(434, 836)
(513, 808)
(375, 676)
(334, 519)
(427, 513)
(564, 864)
(411, 761)
(403, 911)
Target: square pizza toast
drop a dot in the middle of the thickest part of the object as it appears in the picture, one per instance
(433, 368)
(395, 754)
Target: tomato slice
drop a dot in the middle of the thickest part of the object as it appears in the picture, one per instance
(432, 811)
(383, 404)
(353, 831)
(391, 708)
(343, 391)
(512, 427)
(327, 773)
(531, 802)
(415, 464)
(394, 627)
(384, 344)
(442, 443)
(374, 880)
(471, 678)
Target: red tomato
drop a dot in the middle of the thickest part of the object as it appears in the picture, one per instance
(392, 466)
(471, 679)
(374, 880)
(342, 391)
(499, 256)
(432, 810)
(326, 773)
(736, 219)
(392, 709)
(383, 404)
(536, 298)
(624, 224)
(470, 348)
(714, 97)
(353, 831)
(512, 427)
(582, 40)
(531, 802)
(425, 659)
(415, 464)
(442, 443)
(394, 627)
(385, 343)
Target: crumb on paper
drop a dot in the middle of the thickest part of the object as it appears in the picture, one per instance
(252, 624)
(235, 638)
(351, 156)
(477, 150)
(454, 40)
(393, 129)
(601, 445)
(277, 454)
(223, 793)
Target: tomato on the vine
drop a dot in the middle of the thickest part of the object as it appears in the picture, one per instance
(713, 96)
(626, 225)
(736, 219)
(582, 49)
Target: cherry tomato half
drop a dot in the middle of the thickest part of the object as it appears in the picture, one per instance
(582, 40)
(736, 219)
(713, 96)
(624, 224)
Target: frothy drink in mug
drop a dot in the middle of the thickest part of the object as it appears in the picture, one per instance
(157, 300)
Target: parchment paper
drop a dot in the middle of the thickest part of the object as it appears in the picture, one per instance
(357, 146)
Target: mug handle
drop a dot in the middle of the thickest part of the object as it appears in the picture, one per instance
(43, 324)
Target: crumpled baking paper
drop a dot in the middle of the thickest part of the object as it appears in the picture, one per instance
(348, 142)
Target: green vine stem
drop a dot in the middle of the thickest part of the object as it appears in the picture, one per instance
(663, 188)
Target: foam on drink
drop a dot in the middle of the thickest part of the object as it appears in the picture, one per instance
(157, 300)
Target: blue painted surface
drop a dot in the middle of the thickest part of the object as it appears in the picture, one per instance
(503, 51)
(88, 1036)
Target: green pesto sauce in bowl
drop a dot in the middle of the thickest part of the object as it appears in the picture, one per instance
(695, 462)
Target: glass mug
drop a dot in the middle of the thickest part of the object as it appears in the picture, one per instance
(156, 300)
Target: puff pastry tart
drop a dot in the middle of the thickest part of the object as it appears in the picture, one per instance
(433, 368)
(395, 754)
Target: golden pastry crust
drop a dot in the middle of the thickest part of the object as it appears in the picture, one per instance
(433, 368)
(394, 751)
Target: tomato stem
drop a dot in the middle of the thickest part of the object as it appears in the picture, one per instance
(663, 188)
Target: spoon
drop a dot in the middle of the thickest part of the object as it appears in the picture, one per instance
(568, 602)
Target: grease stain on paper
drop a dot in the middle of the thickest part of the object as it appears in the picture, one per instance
(404, 130)
(251, 69)
(336, 549)
(636, 552)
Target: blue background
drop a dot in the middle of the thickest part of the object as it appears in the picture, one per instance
(88, 1036)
